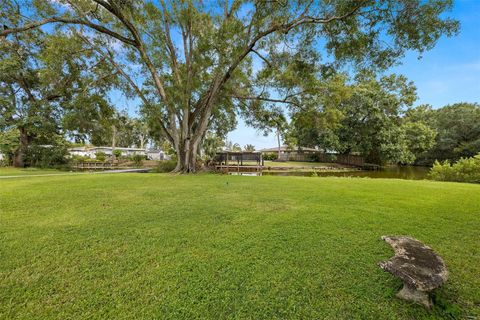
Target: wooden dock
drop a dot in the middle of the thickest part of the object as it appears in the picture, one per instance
(237, 168)
(93, 165)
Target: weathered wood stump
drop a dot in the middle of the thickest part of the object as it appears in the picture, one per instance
(418, 266)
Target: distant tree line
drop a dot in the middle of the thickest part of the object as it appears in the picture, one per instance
(374, 117)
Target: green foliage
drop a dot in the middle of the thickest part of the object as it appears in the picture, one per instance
(211, 144)
(9, 143)
(458, 127)
(126, 131)
(100, 156)
(365, 117)
(292, 44)
(50, 84)
(455, 130)
(46, 156)
(4, 162)
(233, 146)
(270, 156)
(464, 170)
(78, 158)
(167, 147)
(267, 120)
(166, 166)
(249, 148)
(138, 159)
(315, 157)
(117, 153)
(419, 136)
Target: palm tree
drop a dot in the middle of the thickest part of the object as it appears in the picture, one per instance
(230, 146)
(249, 148)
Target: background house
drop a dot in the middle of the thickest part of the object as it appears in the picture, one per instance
(157, 154)
(126, 152)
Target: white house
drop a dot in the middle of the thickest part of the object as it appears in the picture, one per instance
(126, 152)
(157, 155)
(80, 151)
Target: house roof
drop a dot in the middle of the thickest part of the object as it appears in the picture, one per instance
(85, 148)
(119, 148)
(286, 148)
(237, 152)
(77, 149)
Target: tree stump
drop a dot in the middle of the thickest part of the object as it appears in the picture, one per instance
(418, 266)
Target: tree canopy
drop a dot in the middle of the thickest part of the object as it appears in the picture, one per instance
(49, 84)
(457, 128)
(193, 62)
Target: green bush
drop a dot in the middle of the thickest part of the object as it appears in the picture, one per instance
(4, 163)
(319, 157)
(78, 158)
(117, 153)
(100, 156)
(46, 156)
(166, 166)
(138, 159)
(270, 156)
(464, 170)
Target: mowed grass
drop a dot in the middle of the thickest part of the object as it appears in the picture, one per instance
(10, 171)
(151, 246)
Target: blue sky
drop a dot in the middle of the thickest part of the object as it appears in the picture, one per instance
(448, 73)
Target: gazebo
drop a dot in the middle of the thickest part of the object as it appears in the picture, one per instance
(239, 161)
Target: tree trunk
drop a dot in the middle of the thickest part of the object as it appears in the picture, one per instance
(279, 147)
(114, 137)
(19, 155)
(187, 157)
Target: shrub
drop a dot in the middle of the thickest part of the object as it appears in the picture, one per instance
(166, 166)
(270, 156)
(4, 163)
(322, 157)
(46, 156)
(78, 158)
(464, 170)
(100, 156)
(138, 159)
(117, 153)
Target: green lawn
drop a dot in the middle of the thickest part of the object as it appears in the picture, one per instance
(10, 171)
(151, 246)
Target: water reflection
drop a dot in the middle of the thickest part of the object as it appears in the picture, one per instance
(391, 172)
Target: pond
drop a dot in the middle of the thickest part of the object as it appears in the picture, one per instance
(390, 172)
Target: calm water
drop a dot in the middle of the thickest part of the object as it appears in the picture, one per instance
(393, 172)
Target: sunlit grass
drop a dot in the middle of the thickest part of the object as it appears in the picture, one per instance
(10, 171)
(214, 246)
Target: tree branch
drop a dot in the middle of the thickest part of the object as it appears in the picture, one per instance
(260, 98)
(40, 23)
(262, 57)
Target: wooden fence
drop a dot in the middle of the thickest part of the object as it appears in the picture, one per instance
(347, 159)
(93, 165)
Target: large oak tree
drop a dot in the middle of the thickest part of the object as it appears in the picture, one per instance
(49, 84)
(196, 58)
